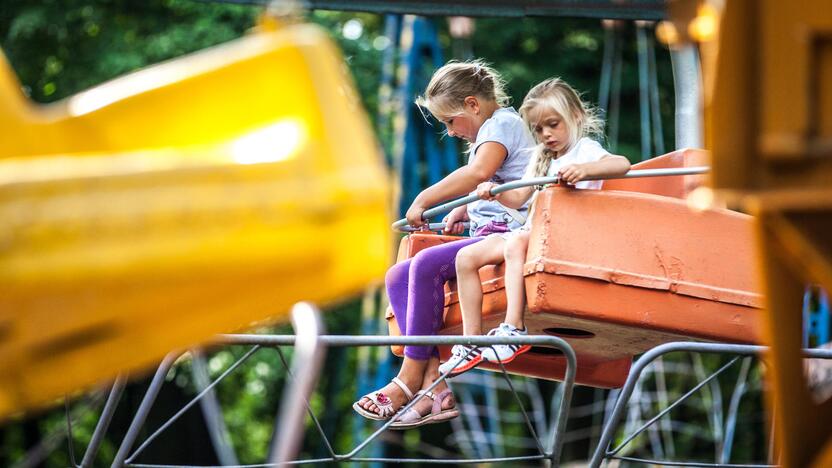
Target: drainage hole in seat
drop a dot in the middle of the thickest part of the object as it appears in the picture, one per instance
(568, 332)
(545, 351)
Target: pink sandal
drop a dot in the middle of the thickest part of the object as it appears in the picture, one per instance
(411, 418)
(383, 402)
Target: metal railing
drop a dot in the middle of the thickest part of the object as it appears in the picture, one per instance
(310, 347)
(603, 450)
(401, 225)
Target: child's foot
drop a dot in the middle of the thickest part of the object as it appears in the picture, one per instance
(384, 403)
(432, 408)
(463, 358)
(505, 353)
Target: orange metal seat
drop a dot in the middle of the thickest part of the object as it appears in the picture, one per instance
(618, 271)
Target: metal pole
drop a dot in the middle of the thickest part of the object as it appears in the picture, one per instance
(643, 90)
(655, 109)
(633, 174)
(211, 411)
(556, 440)
(649, 356)
(144, 409)
(104, 421)
(687, 81)
(606, 65)
(306, 366)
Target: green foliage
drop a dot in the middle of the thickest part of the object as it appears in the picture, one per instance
(61, 47)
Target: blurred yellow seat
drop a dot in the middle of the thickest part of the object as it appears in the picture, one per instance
(194, 197)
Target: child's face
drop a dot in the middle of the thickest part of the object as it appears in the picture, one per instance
(549, 128)
(466, 124)
(461, 126)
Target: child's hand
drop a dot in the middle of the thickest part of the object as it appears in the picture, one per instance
(484, 190)
(573, 173)
(454, 220)
(414, 215)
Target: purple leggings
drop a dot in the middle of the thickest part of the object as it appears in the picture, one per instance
(416, 288)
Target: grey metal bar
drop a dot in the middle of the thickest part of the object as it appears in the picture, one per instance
(520, 403)
(350, 340)
(613, 116)
(306, 366)
(671, 406)
(687, 81)
(104, 421)
(191, 403)
(606, 66)
(655, 109)
(633, 174)
(144, 409)
(632, 9)
(430, 227)
(643, 91)
(733, 409)
(445, 461)
(672, 463)
(639, 366)
(69, 432)
(308, 407)
(211, 411)
(334, 340)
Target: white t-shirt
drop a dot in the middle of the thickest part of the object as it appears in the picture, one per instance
(586, 150)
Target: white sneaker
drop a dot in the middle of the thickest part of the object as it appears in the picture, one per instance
(463, 358)
(505, 353)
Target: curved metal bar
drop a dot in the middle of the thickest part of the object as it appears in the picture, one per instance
(308, 406)
(669, 408)
(191, 403)
(733, 410)
(634, 174)
(212, 412)
(306, 366)
(431, 227)
(698, 464)
(144, 409)
(104, 421)
(639, 366)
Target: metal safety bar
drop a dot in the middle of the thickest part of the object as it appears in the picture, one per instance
(602, 451)
(634, 174)
(303, 375)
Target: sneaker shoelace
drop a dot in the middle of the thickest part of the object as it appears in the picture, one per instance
(459, 351)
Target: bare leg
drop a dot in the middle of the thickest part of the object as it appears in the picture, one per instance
(515, 257)
(469, 260)
(412, 374)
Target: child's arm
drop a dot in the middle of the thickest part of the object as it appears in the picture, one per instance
(511, 198)
(490, 157)
(609, 165)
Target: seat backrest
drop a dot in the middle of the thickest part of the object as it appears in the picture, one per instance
(673, 186)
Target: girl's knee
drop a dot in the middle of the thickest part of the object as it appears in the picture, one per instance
(397, 274)
(466, 260)
(515, 248)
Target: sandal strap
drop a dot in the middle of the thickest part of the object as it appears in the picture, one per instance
(385, 408)
(427, 393)
(437, 402)
(404, 388)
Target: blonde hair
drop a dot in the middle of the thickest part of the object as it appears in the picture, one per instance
(580, 118)
(451, 84)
